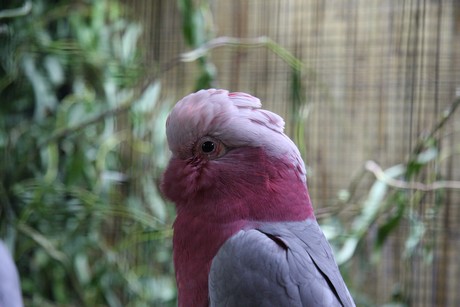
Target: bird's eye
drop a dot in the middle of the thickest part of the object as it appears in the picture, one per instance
(208, 147)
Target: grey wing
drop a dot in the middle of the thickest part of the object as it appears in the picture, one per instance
(256, 268)
(308, 236)
(10, 289)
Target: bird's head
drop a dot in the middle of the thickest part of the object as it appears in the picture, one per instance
(232, 157)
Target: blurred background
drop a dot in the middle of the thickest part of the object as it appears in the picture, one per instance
(369, 90)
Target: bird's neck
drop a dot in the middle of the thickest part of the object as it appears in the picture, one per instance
(196, 241)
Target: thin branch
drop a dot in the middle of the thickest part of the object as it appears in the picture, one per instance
(22, 11)
(60, 133)
(447, 114)
(50, 248)
(261, 41)
(222, 41)
(44, 242)
(400, 184)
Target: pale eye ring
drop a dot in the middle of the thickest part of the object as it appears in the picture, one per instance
(208, 147)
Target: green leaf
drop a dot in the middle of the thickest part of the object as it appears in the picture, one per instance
(390, 223)
(52, 162)
(427, 155)
(375, 198)
(371, 209)
(148, 99)
(347, 250)
(417, 231)
(45, 99)
(82, 268)
(129, 42)
(54, 69)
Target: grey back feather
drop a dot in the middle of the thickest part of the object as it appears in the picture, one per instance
(277, 264)
(10, 290)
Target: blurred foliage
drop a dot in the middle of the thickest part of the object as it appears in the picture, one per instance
(394, 199)
(197, 29)
(80, 156)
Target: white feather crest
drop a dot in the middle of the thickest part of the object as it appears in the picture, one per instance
(235, 118)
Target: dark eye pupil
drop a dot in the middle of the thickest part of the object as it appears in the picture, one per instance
(207, 146)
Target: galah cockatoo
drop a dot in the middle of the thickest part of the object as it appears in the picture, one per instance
(10, 289)
(245, 232)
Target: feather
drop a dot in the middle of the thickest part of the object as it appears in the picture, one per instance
(277, 264)
(10, 289)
